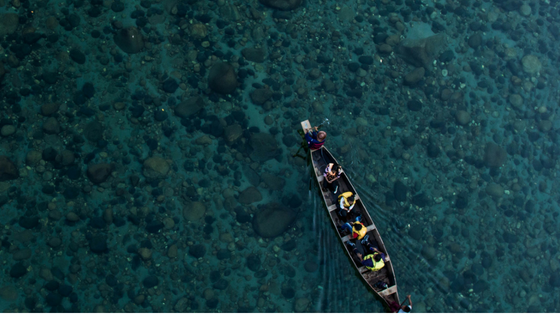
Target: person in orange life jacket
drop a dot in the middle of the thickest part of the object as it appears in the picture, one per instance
(315, 138)
(331, 175)
(346, 202)
(357, 229)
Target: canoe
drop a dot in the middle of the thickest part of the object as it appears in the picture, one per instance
(320, 158)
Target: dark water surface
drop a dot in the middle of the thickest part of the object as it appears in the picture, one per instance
(146, 153)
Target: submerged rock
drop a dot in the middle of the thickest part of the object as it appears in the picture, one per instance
(414, 76)
(264, 147)
(189, 107)
(150, 281)
(93, 131)
(462, 117)
(420, 307)
(78, 56)
(233, 133)
(156, 168)
(531, 64)
(49, 109)
(510, 237)
(273, 182)
(130, 40)
(22, 254)
(455, 247)
(8, 169)
(414, 105)
(429, 252)
(422, 52)
(288, 292)
(525, 10)
(486, 260)
(254, 54)
(221, 284)
(199, 31)
(51, 126)
(554, 280)
(416, 232)
(8, 23)
(458, 285)
(399, 191)
(197, 251)
(480, 286)
(282, 4)
(223, 254)
(182, 305)
(253, 262)
(494, 155)
(301, 305)
(289, 245)
(98, 244)
(516, 101)
(252, 176)
(495, 190)
(53, 299)
(222, 78)
(98, 173)
(9, 293)
(311, 266)
(273, 219)
(475, 40)
(420, 200)
(194, 211)
(261, 96)
(18, 270)
(250, 195)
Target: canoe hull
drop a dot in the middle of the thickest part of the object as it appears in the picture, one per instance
(319, 160)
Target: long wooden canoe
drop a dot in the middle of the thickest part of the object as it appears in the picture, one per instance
(320, 158)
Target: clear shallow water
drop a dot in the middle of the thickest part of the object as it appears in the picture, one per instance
(119, 193)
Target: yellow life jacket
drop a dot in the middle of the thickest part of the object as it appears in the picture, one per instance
(346, 195)
(376, 264)
(362, 232)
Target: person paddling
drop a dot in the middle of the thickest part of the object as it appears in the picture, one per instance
(315, 138)
(396, 308)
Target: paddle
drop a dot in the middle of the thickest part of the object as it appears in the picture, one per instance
(324, 121)
(303, 145)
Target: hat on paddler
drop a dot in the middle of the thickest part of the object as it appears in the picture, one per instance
(321, 135)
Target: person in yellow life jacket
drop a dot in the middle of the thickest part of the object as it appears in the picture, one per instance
(346, 202)
(357, 228)
(374, 261)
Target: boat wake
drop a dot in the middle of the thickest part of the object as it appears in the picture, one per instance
(403, 250)
(329, 258)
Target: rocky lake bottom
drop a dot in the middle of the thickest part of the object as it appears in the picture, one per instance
(147, 153)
